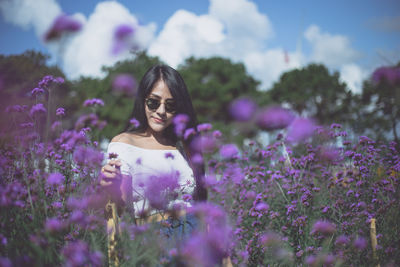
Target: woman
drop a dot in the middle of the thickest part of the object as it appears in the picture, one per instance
(153, 148)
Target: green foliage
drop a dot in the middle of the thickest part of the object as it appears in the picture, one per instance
(118, 109)
(214, 83)
(19, 74)
(381, 113)
(314, 92)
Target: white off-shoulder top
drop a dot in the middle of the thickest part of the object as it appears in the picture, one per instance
(142, 163)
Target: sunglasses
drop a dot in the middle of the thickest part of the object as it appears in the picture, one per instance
(153, 104)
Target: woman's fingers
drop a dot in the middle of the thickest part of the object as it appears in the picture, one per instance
(115, 162)
(110, 171)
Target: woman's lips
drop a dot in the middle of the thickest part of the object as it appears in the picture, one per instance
(158, 120)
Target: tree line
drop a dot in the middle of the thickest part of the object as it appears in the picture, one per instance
(311, 91)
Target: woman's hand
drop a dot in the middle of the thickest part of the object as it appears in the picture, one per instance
(111, 173)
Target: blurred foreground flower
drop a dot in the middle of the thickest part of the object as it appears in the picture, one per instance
(37, 109)
(180, 121)
(123, 39)
(160, 190)
(62, 24)
(389, 74)
(135, 123)
(274, 118)
(55, 178)
(242, 109)
(93, 102)
(228, 151)
(300, 129)
(324, 228)
(124, 84)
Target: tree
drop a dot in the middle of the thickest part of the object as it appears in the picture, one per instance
(118, 107)
(214, 83)
(19, 74)
(381, 99)
(314, 92)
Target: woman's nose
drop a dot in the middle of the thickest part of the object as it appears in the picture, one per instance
(161, 109)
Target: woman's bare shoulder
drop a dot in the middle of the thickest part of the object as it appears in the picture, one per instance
(127, 138)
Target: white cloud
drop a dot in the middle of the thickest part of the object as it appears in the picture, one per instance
(237, 30)
(28, 13)
(332, 50)
(186, 34)
(86, 52)
(267, 66)
(245, 26)
(353, 76)
(91, 48)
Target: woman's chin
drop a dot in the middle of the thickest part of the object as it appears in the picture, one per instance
(156, 127)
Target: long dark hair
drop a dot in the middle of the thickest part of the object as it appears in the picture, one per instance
(179, 92)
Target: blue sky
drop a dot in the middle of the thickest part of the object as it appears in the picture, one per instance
(352, 37)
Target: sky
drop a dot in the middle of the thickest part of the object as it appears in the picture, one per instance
(268, 37)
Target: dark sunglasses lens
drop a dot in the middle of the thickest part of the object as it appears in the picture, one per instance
(170, 107)
(152, 104)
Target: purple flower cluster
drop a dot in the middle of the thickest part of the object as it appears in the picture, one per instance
(310, 201)
(123, 39)
(243, 109)
(124, 84)
(93, 102)
(61, 25)
(389, 74)
(161, 190)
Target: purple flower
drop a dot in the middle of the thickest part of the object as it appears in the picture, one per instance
(16, 108)
(55, 178)
(323, 227)
(273, 118)
(135, 123)
(342, 240)
(123, 31)
(123, 39)
(360, 243)
(93, 102)
(197, 159)
(26, 125)
(5, 262)
(180, 121)
(169, 155)
(217, 134)
(59, 80)
(187, 197)
(242, 109)
(204, 127)
(54, 225)
(37, 91)
(262, 206)
(188, 133)
(38, 108)
(76, 253)
(55, 125)
(160, 189)
(88, 156)
(61, 25)
(389, 74)
(60, 112)
(228, 151)
(124, 84)
(208, 247)
(300, 129)
(204, 143)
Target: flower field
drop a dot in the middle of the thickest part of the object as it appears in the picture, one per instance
(311, 197)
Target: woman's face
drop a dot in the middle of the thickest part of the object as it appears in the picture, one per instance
(159, 107)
